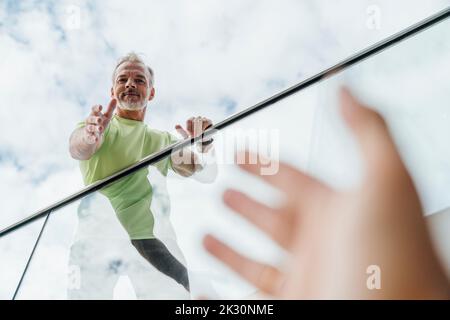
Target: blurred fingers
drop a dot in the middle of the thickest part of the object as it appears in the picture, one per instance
(278, 224)
(267, 278)
(182, 132)
(373, 137)
(290, 180)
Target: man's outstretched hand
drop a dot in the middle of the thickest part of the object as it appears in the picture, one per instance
(336, 238)
(195, 126)
(85, 141)
(97, 122)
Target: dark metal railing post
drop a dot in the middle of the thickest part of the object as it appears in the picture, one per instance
(30, 257)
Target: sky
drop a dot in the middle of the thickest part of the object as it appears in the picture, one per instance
(212, 59)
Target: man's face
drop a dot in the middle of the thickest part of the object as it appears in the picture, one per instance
(132, 87)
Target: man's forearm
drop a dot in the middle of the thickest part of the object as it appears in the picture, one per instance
(79, 148)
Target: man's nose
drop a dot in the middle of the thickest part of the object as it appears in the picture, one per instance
(130, 84)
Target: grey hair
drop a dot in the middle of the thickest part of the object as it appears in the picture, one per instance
(133, 57)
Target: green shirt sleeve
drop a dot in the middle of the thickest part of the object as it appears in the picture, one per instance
(80, 124)
(172, 139)
(165, 164)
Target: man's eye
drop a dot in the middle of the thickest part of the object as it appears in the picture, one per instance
(121, 80)
(140, 81)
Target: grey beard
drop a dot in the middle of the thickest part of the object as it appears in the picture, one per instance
(131, 106)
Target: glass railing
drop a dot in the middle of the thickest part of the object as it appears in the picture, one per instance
(84, 252)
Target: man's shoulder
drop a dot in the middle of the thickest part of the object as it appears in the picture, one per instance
(154, 131)
(162, 134)
(164, 138)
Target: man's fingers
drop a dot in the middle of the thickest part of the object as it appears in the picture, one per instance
(372, 135)
(264, 277)
(181, 131)
(190, 126)
(198, 126)
(93, 133)
(206, 123)
(90, 138)
(96, 109)
(94, 128)
(278, 225)
(291, 181)
(94, 120)
(110, 110)
(90, 128)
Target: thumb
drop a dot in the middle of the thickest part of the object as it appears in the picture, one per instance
(110, 110)
(372, 135)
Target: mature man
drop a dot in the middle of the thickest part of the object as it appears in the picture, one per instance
(108, 142)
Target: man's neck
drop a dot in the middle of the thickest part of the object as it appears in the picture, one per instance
(137, 115)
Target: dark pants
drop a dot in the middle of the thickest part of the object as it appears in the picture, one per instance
(155, 252)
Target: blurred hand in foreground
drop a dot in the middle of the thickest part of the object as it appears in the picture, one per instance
(337, 239)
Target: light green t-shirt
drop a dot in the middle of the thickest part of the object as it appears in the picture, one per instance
(125, 142)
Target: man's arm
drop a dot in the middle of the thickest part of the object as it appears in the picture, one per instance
(85, 141)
